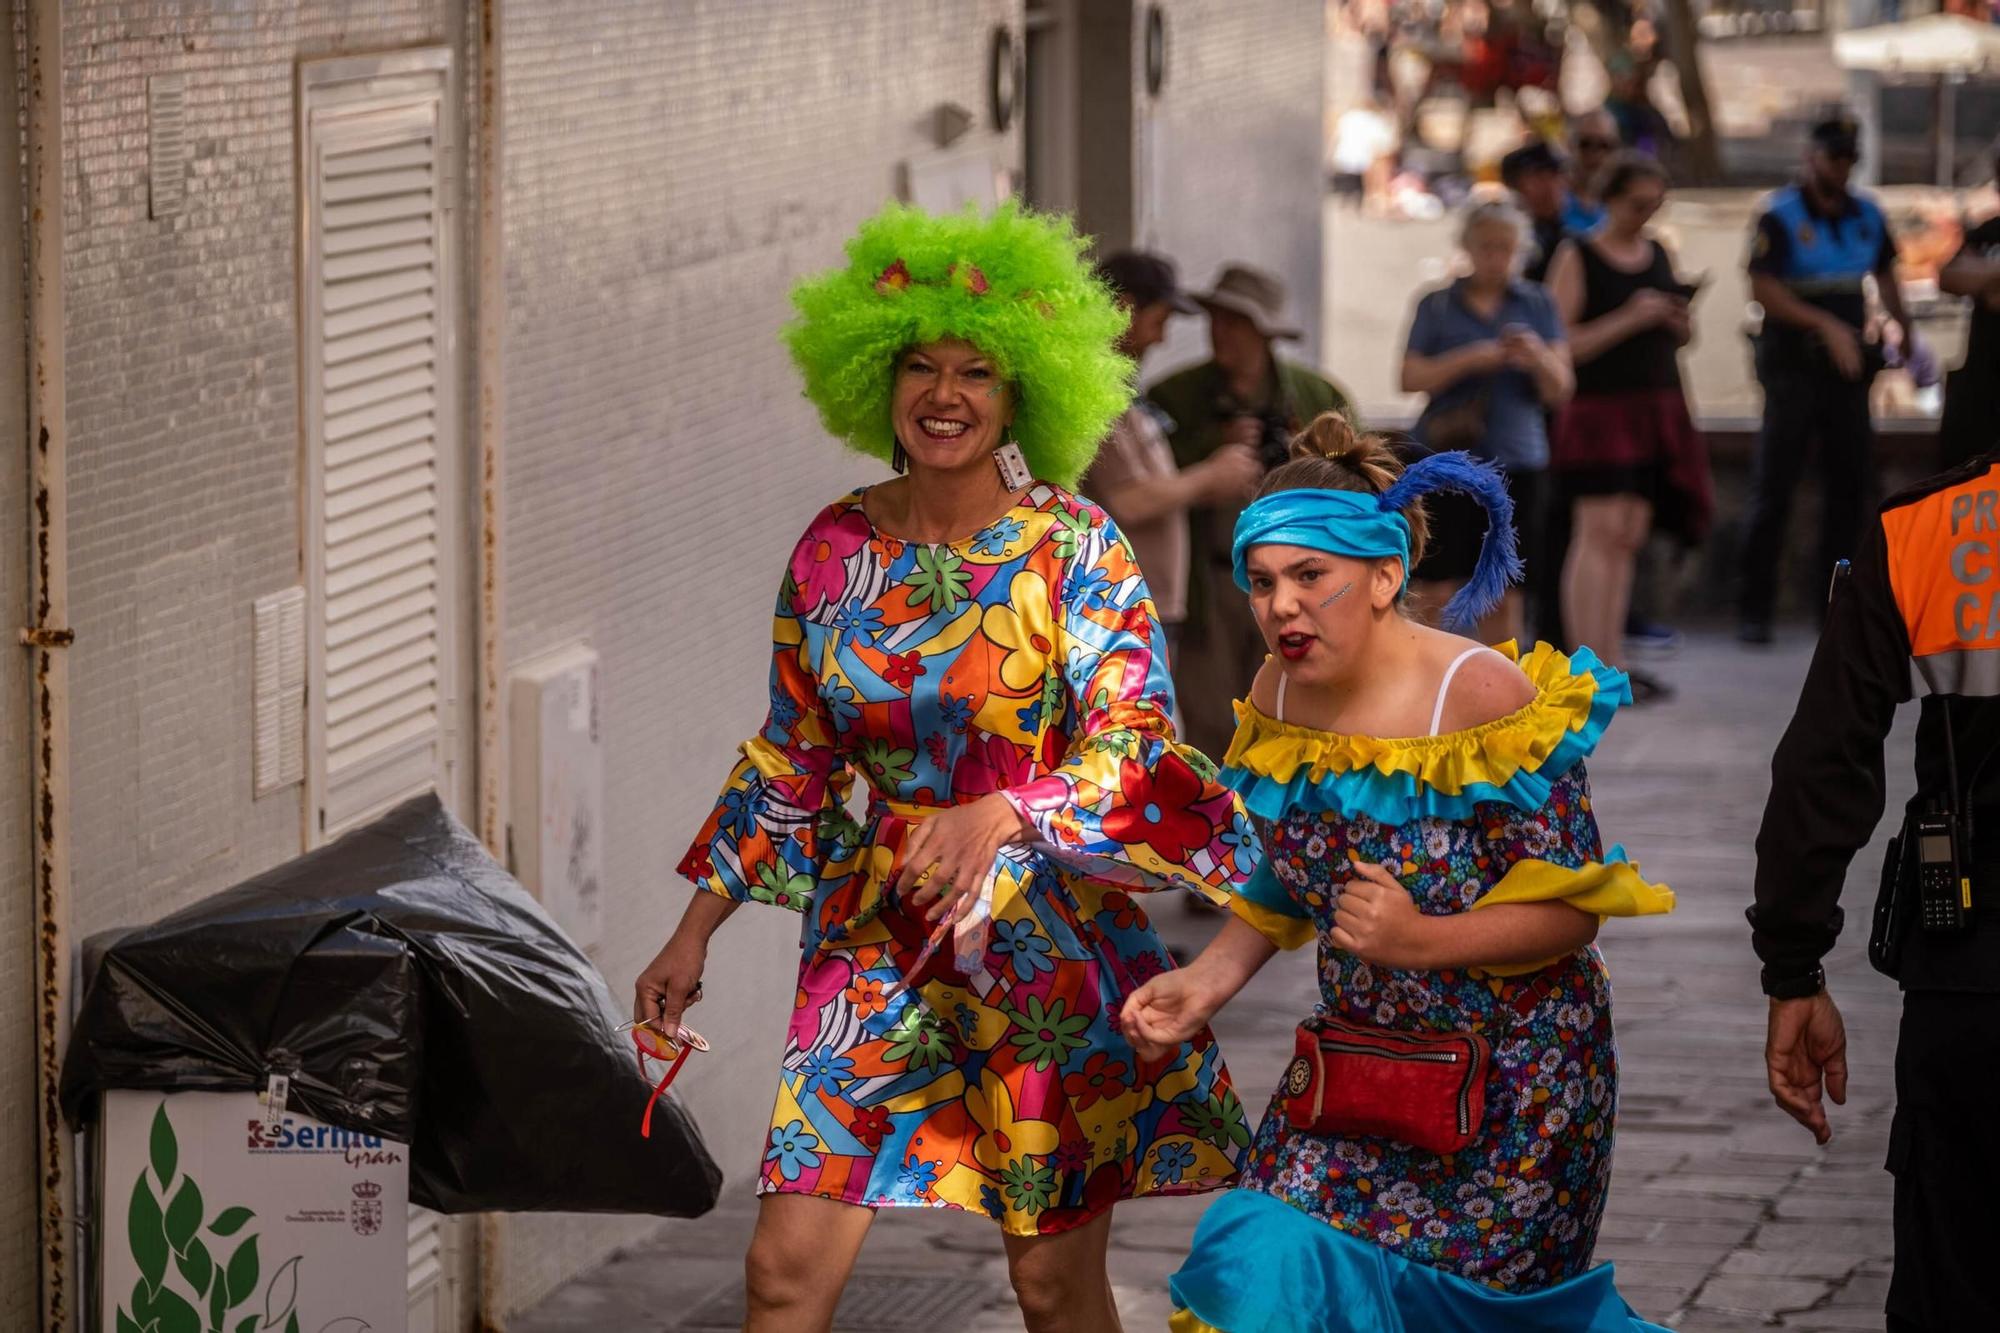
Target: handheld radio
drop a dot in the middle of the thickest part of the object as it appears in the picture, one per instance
(1944, 892)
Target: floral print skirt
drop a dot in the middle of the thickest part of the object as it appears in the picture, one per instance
(1009, 1091)
(1519, 1210)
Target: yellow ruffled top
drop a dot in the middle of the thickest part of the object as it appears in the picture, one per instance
(1278, 766)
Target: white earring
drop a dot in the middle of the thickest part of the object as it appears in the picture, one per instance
(1013, 465)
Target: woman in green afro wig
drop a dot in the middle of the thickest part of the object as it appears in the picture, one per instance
(976, 646)
(1011, 283)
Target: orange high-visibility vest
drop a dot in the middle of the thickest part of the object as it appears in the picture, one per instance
(1944, 570)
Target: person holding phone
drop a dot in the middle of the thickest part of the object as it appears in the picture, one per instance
(1625, 454)
(1488, 351)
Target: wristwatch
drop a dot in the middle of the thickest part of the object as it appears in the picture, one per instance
(1798, 986)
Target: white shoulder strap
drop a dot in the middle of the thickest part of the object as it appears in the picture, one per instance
(1437, 713)
(1280, 714)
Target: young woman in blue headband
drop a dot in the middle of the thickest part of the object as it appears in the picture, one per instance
(1438, 1151)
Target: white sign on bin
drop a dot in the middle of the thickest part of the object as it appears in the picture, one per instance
(219, 1218)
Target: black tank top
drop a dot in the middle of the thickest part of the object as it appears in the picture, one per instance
(1646, 360)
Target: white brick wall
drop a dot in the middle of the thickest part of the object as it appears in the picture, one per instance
(184, 445)
(671, 169)
(1239, 126)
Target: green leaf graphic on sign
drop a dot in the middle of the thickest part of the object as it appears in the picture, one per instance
(248, 1325)
(126, 1325)
(231, 1221)
(218, 1300)
(243, 1270)
(166, 1152)
(184, 1215)
(283, 1293)
(146, 1230)
(197, 1267)
(292, 1322)
(175, 1315)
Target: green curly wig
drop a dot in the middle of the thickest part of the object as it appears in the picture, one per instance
(1013, 283)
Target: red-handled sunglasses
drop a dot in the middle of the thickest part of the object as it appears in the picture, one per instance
(672, 1052)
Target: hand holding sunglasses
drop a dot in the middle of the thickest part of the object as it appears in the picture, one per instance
(653, 1043)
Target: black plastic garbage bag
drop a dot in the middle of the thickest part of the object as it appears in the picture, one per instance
(409, 988)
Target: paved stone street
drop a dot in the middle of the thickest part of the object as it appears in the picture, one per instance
(1723, 1214)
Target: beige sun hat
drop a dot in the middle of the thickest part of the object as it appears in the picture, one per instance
(1254, 294)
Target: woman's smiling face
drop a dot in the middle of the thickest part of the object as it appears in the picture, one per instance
(949, 406)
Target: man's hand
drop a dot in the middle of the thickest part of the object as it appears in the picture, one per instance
(1230, 475)
(1843, 344)
(1243, 429)
(1806, 1043)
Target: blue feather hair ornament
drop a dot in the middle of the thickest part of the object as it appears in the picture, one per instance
(1499, 563)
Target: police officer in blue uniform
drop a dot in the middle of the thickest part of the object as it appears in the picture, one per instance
(1814, 245)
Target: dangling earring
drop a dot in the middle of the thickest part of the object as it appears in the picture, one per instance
(1013, 465)
(900, 459)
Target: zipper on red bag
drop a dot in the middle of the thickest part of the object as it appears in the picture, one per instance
(1471, 1053)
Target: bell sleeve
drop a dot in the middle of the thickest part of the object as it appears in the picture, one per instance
(780, 822)
(1128, 802)
(1566, 861)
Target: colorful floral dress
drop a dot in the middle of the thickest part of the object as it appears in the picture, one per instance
(1025, 660)
(1499, 811)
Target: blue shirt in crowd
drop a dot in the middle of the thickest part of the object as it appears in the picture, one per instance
(1516, 432)
(1580, 217)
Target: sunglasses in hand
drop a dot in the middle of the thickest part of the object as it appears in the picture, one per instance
(654, 1044)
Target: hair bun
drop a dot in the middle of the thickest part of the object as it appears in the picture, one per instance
(1330, 435)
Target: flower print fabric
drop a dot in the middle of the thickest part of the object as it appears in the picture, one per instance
(1519, 1210)
(1024, 659)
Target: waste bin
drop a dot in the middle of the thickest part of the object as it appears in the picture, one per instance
(216, 1215)
(390, 1013)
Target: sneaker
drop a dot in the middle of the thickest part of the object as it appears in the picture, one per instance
(1648, 688)
(1756, 633)
(1646, 636)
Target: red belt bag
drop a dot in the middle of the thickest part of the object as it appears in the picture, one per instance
(1424, 1089)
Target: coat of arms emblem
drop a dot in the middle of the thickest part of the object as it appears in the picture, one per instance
(366, 1214)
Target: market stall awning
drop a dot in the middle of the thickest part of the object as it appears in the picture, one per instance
(1936, 44)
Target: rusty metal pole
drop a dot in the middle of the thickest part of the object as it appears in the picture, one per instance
(48, 638)
(491, 324)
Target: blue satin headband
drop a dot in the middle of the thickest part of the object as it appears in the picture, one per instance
(1372, 527)
(1350, 523)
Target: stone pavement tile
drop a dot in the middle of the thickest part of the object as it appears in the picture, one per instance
(1703, 1255)
(1719, 1186)
(1765, 1297)
(1830, 1265)
(1869, 1290)
(1798, 1204)
(1677, 1281)
(1645, 1200)
(1712, 1321)
(1835, 1320)
(1654, 1303)
(1790, 1237)
(1621, 1225)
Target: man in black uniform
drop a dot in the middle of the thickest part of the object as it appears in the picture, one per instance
(1923, 600)
(1971, 422)
(1815, 244)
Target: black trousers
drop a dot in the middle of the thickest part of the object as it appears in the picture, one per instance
(1801, 411)
(1944, 1150)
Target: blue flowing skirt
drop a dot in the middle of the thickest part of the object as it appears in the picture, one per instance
(1261, 1266)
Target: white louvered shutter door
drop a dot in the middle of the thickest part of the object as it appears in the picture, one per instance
(380, 430)
(378, 377)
